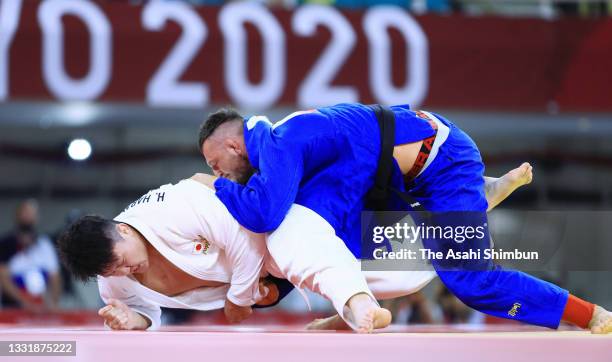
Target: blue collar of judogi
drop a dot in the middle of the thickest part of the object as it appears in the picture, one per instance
(256, 128)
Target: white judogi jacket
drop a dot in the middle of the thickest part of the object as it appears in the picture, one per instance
(191, 228)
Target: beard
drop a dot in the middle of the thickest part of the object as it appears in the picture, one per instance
(245, 172)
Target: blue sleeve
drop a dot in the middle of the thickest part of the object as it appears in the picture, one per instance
(261, 204)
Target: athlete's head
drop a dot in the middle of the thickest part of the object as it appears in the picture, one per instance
(93, 245)
(221, 141)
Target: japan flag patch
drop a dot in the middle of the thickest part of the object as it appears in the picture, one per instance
(200, 246)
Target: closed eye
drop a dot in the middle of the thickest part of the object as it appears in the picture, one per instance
(117, 266)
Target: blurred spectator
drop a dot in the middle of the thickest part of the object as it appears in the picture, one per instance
(29, 268)
(453, 310)
(418, 6)
(585, 8)
(410, 309)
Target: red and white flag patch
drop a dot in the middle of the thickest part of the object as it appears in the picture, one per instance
(200, 246)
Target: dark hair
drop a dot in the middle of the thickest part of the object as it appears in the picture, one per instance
(86, 246)
(214, 120)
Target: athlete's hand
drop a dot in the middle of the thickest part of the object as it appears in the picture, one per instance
(269, 291)
(235, 313)
(118, 316)
(205, 179)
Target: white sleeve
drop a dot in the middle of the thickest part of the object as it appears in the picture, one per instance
(113, 290)
(244, 251)
(246, 256)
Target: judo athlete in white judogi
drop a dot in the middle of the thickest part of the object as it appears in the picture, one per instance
(179, 247)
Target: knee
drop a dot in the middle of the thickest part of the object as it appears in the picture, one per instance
(465, 285)
(472, 286)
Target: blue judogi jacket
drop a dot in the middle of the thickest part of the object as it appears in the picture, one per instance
(323, 159)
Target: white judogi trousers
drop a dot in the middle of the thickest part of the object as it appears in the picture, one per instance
(306, 251)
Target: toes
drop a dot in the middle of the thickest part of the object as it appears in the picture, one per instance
(607, 327)
(366, 324)
(363, 330)
(602, 326)
(525, 171)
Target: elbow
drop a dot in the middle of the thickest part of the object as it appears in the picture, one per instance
(264, 226)
(264, 222)
(259, 212)
(271, 225)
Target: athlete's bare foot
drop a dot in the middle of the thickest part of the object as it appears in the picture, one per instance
(333, 323)
(518, 177)
(366, 314)
(601, 323)
(499, 189)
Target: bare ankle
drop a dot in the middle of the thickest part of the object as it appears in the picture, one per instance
(359, 300)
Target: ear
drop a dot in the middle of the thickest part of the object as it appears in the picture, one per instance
(233, 146)
(123, 229)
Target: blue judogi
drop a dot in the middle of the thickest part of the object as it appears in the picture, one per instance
(326, 160)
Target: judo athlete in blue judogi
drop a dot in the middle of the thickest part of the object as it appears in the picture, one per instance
(327, 160)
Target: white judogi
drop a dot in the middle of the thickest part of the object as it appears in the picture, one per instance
(192, 229)
(304, 250)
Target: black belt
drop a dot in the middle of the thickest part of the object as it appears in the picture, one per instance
(377, 197)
